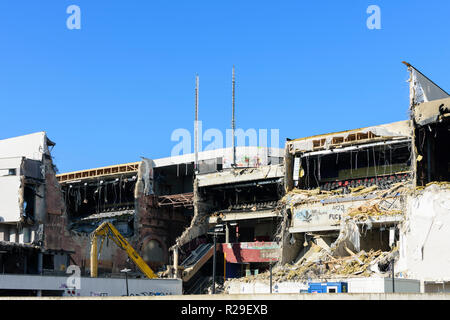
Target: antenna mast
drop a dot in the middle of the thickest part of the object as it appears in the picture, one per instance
(196, 126)
(233, 121)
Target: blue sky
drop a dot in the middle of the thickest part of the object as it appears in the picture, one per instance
(117, 88)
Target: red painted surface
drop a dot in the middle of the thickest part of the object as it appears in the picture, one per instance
(251, 251)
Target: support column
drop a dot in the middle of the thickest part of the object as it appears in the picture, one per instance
(175, 262)
(40, 263)
(94, 262)
(227, 233)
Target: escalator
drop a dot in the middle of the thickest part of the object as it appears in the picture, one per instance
(192, 264)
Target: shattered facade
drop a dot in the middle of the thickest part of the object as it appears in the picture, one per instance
(370, 202)
(26, 169)
(149, 202)
(359, 204)
(242, 201)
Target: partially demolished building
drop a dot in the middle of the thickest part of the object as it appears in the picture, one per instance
(241, 200)
(26, 193)
(370, 202)
(359, 206)
(150, 202)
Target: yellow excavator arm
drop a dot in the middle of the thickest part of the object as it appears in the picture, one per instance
(106, 229)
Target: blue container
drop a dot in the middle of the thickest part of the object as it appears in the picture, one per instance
(327, 287)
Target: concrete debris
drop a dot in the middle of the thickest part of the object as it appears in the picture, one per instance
(364, 211)
(348, 237)
(320, 265)
(300, 196)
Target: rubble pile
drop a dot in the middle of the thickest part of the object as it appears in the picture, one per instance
(363, 212)
(300, 196)
(318, 263)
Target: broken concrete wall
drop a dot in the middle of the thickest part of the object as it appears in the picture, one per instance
(390, 130)
(429, 112)
(198, 225)
(19, 157)
(424, 239)
(155, 228)
(11, 190)
(22, 187)
(32, 146)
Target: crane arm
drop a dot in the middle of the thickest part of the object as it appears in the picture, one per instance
(106, 229)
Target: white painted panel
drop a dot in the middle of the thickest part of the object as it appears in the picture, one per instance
(10, 163)
(93, 286)
(30, 146)
(425, 237)
(9, 198)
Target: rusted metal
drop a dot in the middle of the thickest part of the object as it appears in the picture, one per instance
(177, 200)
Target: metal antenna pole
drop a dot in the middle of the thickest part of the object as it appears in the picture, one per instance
(196, 126)
(214, 265)
(233, 125)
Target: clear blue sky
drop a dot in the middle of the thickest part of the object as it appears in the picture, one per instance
(116, 89)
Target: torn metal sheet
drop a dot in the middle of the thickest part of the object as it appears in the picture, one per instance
(422, 89)
(424, 239)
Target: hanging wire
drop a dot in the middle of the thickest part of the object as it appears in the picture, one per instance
(368, 163)
(307, 172)
(351, 164)
(374, 162)
(315, 177)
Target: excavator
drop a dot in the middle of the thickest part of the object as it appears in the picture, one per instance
(106, 229)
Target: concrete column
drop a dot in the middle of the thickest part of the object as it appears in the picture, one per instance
(247, 270)
(4, 232)
(227, 233)
(175, 262)
(26, 235)
(288, 167)
(13, 236)
(40, 262)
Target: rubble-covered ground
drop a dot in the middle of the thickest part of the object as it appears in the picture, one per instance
(342, 259)
(319, 263)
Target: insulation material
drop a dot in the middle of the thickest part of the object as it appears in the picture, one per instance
(145, 175)
(391, 130)
(348, 238)
(424, 239)
(318, 264)
(198, 226)
(317, 209)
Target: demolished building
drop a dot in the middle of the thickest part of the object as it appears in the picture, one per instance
(150, 202)
(26, 169)
(241, 200)
(358, 205)
(370, 202)
(47, 218)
